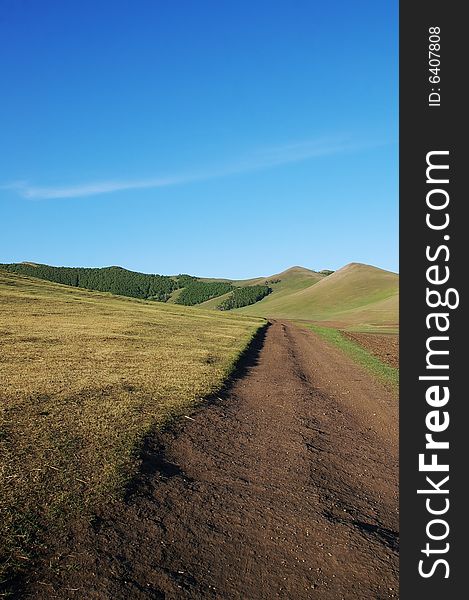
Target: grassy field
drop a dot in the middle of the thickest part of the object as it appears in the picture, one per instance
(85, 376)
(387, 374)
(356, 296)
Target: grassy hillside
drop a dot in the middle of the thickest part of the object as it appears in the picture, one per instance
(382, 315)
(282, 284)
(292, 279)
(85, 375)
(355, 296)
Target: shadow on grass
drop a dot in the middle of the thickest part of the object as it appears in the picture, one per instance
(153, 455)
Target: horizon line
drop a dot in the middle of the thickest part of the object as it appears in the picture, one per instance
(352, 262)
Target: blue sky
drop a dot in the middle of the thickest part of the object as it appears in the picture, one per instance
(215, 138)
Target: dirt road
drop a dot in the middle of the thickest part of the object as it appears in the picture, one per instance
(286, 487)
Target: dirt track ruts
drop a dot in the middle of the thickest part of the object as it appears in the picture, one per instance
(286, 487)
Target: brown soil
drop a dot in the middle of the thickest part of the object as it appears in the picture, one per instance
(285, 487)
(384, 346)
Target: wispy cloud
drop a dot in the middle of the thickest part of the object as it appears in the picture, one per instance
(33, 192)
(263, 158)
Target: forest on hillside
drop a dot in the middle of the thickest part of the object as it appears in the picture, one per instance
(123, 282)
(244, 296)
(107, 279)
(197, 292)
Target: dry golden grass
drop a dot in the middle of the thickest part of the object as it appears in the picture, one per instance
(85, 376)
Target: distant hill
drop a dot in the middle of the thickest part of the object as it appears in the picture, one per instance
(282, 284)
(356, 296)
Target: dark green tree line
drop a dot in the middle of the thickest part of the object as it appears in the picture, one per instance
(200, 291)
(244, 296)
(108, 279)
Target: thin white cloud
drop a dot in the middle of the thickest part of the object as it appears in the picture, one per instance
(81, 190)
(264, 158)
